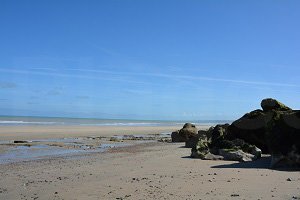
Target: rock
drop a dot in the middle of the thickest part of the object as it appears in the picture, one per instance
(236, 155)
(274, 130)
(272, 104)
(284, 139)
(201, 149)
(192, 141)
(210, 156)
(220, 147)
(176, 137)
(219, 132)
(20, 141)
(165, 140)
(189, 130)
(252, 128)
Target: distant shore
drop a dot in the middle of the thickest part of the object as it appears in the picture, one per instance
(45, 132)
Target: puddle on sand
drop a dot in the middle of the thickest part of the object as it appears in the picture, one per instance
(142, 137)
(38, 149)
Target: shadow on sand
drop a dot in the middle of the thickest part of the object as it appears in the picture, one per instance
(262, 163)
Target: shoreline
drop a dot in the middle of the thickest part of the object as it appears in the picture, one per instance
(46, 132)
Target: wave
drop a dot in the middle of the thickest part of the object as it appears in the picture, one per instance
(123, 124)
(23, 122)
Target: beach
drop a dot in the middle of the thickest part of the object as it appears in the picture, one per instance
(144, 170)
(44, 132)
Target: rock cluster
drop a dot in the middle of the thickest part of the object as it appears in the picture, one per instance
(273, 130)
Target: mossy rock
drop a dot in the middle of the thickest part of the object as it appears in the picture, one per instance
(272, 104)
(252, 129)
(219, 132)
(201, 149)
(188, 131)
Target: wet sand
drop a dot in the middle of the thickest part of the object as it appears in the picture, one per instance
(146, 171)
(44, 132)
(153, 170)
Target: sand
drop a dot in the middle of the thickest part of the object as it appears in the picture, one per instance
(44, 132)
(146, 171)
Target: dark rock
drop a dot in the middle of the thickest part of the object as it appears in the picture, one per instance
(189, 125)
(274, 130)
(272, 104)
(176, 137)
(192, 141)
(283, 135)
(189, 130)
(219, 132)
(251, 128)
(20, 141)
(217, 144)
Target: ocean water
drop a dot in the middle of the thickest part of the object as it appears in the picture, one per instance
(58, 121)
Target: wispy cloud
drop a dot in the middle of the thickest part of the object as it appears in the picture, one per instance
(83, 97)
(137, 92)
(188, 77)
(55, 91)
(7, 85)
(32, 103)
(123, 76)
(57, 74)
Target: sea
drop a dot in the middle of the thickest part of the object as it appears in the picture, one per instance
(60, 121)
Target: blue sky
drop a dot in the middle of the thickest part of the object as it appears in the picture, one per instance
(147, 59)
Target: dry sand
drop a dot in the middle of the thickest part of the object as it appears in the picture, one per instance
(146, 171)
(45, 132)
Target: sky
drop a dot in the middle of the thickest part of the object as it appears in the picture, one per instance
(147, 59)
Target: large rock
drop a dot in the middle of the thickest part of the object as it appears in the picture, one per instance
(274, 130)
(272, 104)
(188, 131)
(284, 139)
(252, 128)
